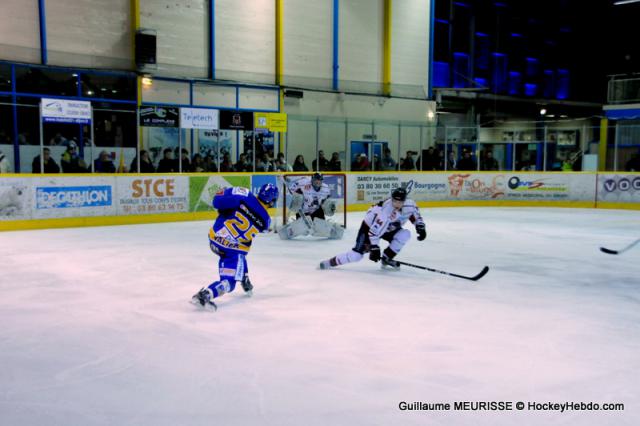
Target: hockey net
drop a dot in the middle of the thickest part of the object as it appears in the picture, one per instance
(337, 183)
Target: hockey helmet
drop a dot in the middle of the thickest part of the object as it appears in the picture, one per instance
(268, 194)
(316, 181)
(399, 194)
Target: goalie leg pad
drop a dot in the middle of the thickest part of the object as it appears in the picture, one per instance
(322, 228)
(336, 232)
(294, 229)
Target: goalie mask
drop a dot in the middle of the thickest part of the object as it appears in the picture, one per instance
(316, 181)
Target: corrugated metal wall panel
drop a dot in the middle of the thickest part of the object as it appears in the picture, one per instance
(410, 47)
(308, 43)
(259, 99)
(219, 96)
(182, 28)
(167, 92)
(19, 31)
(361, 38)
(245, 40)
(89, 33)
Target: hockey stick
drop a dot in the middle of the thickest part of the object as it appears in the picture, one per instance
(474, 278)
(609, 251)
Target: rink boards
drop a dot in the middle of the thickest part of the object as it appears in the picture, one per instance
(39, 201)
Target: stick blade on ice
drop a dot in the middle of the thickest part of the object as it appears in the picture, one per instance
(608, 251)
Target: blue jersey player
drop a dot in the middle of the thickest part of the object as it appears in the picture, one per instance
(241, 216)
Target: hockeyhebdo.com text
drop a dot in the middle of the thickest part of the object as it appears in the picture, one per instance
(561, 407)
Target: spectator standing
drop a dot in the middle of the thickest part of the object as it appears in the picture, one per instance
(467, 162)
(408, 163)
(104, 163)
(298, 164)
(198, 164)
(50, 166)
(388, 163)
(633, 165)
(146, 166)
(184, 158)
(243, 165)
(335, 165)
(226, 165)
(167, 164)
(210, 164)
(452, 164)
(361, 163)
(430, 159)
(489, 163)
(70, 160)
(321, 162)
(281, 164)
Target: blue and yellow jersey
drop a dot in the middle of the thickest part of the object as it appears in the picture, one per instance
(241, 217)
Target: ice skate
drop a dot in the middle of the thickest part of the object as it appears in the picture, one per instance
(387, 263)
(329, 263)
(247, 286)
(203, 299)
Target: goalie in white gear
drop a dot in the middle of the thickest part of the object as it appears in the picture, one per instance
(383, 221)
(312, 202)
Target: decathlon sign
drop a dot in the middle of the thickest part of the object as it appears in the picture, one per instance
(199, 118)
(65, 111)
(72, 197)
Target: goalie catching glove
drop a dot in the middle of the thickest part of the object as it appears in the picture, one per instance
(329, 207)
(422, 232)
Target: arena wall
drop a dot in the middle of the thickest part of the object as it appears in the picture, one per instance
(50, 201)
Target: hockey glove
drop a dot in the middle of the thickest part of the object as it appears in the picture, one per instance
(422, 232)
(374, 253)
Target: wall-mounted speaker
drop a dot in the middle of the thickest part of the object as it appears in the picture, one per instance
(145, 48)
(298, 94)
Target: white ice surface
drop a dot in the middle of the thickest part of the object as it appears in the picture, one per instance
(96, 328)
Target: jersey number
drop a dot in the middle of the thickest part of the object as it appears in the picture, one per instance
(241, 228)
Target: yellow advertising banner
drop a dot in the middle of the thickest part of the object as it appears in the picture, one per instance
(278, 121)
(273, 121)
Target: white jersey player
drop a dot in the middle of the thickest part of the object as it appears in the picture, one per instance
(383, 221)
(312, 202)
(314, 192)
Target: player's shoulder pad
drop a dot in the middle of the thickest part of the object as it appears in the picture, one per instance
(238, 190)
(409, 203)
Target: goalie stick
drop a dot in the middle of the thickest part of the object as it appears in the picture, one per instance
(474, 278)
(609, 251)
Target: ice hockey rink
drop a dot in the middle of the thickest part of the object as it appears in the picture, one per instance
(97, 328)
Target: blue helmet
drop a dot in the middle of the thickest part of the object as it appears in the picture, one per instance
(268, 194)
